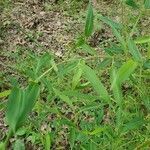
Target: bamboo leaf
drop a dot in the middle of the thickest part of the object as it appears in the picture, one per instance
(89, 21)
(76, 77)
(63, 97)
(87, 48)
(116, 88)
(124, 72)
(134, 50)
(95, 82)
(110, 22)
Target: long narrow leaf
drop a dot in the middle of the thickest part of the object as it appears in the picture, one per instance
(95, 82)
(134, 50)
(89, 21)
(124, 72)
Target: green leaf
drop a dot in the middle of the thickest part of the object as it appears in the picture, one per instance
(146, 64)
(92, 106)
(134, 124)
(77, 75)
(42, 62)
(134, 51)
(47, 143)
(19, 145)
(89, 21)
(114, 49)
(142, 40)
(119, 37)
(147, 4)
(64, 69)
(5, 93)
(2, 146)
(90, 74)
(116, 88)
(124, 72)
(96, 131)
(105, 63)
(87, 48)
(131, 3)
(111, 23)
(20, 103)
(80, 96)
(72, 137)
(63, 97)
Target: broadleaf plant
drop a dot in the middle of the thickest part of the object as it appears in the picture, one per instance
(20, 104)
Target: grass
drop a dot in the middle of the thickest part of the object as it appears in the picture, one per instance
(91, 98)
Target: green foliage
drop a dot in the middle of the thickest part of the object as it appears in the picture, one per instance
(147, 4)
(89, 26)
(20, 103)
(19, 145)
(90, 99)
(95, 82)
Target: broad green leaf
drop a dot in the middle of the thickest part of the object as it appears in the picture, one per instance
(19, 145)
(91, 76)
(124, 72)
(147, 4)
(5, 93)
(134, 50)
(63, 97)
(142, 40)
(89, 21)
(131, 3)
(20, 103)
